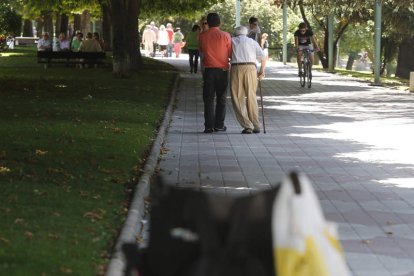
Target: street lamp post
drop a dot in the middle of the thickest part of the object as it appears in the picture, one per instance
(330, 43)
(377, 62)
(284, 32)
(237, 13)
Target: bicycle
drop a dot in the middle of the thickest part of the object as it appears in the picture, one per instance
(305, 76)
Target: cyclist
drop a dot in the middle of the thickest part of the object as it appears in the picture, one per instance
(303, 40)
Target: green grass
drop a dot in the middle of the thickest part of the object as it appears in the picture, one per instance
(71, 144)
(367, 76)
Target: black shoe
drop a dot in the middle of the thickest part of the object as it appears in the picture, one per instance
(209, 130)
(256, 130)
(247, 131)
(224, 128)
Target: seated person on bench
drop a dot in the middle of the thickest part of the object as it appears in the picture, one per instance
(45, 43)
(62, 44)
(90, 45)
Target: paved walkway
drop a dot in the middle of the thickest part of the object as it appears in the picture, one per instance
(354, 141)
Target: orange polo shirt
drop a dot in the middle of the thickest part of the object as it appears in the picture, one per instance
(215, 45)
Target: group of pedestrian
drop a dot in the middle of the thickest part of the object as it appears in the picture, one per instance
(165, 39)
(239, 54)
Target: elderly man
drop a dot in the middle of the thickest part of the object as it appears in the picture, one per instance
(215, 45)
(45, 43)
(243, 76)
(148, 39)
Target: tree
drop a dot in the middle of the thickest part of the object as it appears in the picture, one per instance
(10, 21)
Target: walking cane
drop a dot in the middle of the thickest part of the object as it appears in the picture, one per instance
(261, 100)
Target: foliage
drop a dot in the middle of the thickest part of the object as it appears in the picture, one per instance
(183, 8)
(32, 9)
(358, 36)
(270, 18)
(72, 142)
(10, 21)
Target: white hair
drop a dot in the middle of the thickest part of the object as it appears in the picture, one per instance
(240, 30)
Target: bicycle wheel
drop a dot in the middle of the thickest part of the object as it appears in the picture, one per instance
(303, 75)
(309, 74)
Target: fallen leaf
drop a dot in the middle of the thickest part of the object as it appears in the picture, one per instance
(19, 221)
(66, 270)
(4, 170)
(4, 240)
(95, 214)
(40, 152)
(83, 194)
(53, 236)
(29, 235)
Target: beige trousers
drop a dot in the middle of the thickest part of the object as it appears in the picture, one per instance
(243, 87)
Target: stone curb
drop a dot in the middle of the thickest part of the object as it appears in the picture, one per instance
(131, 228)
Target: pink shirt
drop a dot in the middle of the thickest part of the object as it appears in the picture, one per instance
(215, 45)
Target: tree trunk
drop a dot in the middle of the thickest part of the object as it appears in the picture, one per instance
(351, 58)
(27, 28)
(58, 24)
(125, 36)
(106, 27)
(85, 22)
(39, 27)
(405, 62)
(48, 22)
(64, 23)
(76, 22)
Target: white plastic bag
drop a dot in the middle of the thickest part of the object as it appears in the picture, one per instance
(304, 243)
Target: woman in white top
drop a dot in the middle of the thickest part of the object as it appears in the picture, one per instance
(163, 40)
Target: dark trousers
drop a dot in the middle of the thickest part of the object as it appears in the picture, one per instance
(215, 86)
(193, 54)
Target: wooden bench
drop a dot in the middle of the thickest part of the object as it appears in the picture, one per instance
(92, 58)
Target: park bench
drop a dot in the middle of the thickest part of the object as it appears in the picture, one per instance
(91, 58)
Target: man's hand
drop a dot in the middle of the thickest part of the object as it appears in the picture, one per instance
(260, 75)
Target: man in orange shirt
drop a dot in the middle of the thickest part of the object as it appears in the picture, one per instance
(215, 46)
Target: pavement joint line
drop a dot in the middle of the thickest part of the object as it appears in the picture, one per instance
(136, 212)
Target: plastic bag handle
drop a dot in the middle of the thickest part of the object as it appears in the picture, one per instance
(296, 184)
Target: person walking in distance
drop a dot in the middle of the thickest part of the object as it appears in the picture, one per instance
(204, 28)
(254, 29)
(215, 45)
(192, 46)
(148, 38)
(178, 41)
(243, 76)
(170, 45)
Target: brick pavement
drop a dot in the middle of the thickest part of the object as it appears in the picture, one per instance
(354, 141)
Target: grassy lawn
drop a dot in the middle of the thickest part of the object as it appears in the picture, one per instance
(71, 143)
(366, 76)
